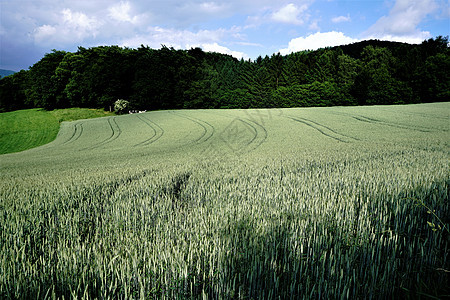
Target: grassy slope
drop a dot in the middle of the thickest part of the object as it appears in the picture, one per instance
(26, 129)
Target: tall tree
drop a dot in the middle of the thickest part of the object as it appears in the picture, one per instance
(296, 68)
(347, 69)
(12, 92)
(375, 83)
(43, 89)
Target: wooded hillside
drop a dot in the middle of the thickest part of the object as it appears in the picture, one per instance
(364, 73)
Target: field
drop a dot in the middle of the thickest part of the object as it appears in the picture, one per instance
(341, 202)
(26, 129)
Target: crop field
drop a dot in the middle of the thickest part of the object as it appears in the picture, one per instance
(25, 129)
(340, 202)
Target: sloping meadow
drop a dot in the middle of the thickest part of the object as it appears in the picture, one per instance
(261, 204)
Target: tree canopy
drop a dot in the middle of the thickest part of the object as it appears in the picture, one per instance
(364, 73)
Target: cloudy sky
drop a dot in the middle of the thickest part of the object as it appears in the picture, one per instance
(242, 28)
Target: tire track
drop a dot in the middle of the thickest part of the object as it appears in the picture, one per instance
(115, 133)
(331, 129)
(78, 131)
(322, 131)
(158, 132)
(423, 115)
(208, 129)
(384, 123)
(259, 134)
(264, 130)
(362, 118)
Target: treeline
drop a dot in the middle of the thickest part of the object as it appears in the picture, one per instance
(364, 73)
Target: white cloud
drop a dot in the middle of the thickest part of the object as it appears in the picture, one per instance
(220, 49)
(410, 39)
(314, 26)
(188, 13)
(70, 27)
(291, 14)
(401, 24)
(77, 21)
(212, 7)
(121, 12)
(316, 41)
(208, 40)
(341, 19)
(250, 44)
(44, 32)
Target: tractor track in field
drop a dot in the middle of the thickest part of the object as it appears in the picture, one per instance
(158, 131)
(374, 121)
(259, 134)
(208, 129)
(322, 129)
(384, 123)
(331, 129)
(424, 115)
(115, 133)
(77, 132)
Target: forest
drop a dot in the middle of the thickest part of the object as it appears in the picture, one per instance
(364, 73)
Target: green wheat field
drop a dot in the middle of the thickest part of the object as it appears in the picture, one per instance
(341, 202)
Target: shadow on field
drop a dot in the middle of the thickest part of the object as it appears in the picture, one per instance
(61, 248)
(405, 258)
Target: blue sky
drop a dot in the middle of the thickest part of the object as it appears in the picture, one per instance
(242, 28)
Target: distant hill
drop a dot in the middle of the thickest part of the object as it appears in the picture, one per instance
(4, 73)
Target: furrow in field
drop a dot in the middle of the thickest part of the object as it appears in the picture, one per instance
(243, 135)
(115, 133)
(374, 121)
(330, 129)
(235, 130)
(77, 132)
(158, 131)
(424, 115)
(261, 134)
(119, 131)
(390, 124)
(208, 129)
(323, 130)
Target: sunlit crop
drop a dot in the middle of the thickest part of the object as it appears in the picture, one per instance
(343, 202)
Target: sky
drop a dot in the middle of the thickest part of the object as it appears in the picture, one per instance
(241, 28)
